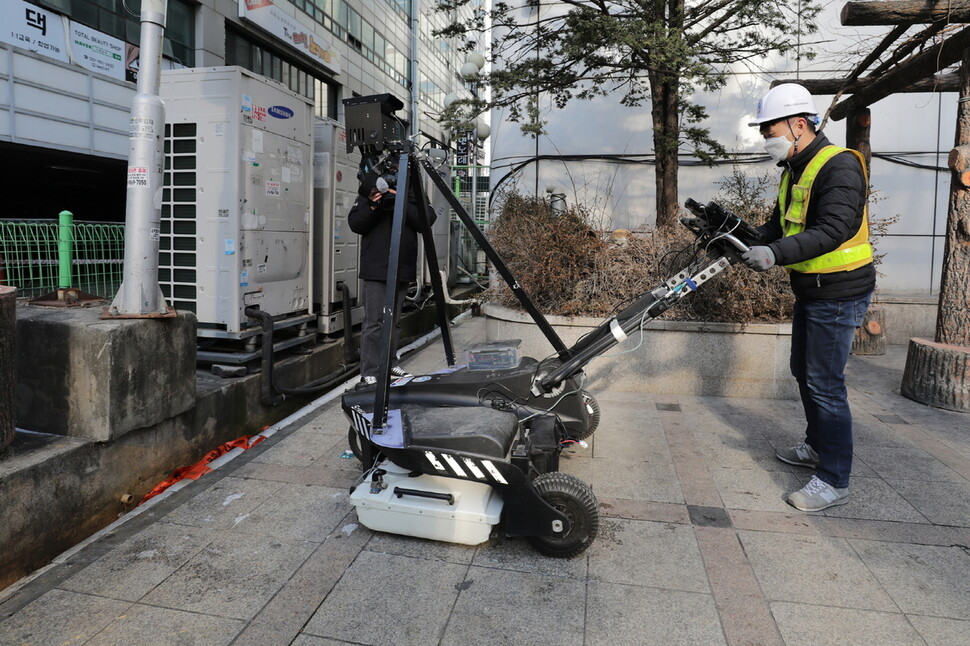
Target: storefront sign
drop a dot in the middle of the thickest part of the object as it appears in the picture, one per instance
(28, 26)
(276, 21)
(97, 51)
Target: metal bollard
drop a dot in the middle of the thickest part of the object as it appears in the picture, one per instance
(65, 248)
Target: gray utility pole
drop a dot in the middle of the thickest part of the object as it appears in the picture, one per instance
(415, 84)
(139, 295)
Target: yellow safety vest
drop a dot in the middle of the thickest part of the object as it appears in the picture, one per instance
(854, 252)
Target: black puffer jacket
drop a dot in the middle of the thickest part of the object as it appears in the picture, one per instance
(834, 215)
(374, 227)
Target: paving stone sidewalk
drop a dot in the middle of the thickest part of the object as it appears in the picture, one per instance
(696, 544)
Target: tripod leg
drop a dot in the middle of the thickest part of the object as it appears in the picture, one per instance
(390, 317)
(432, 258)
(543, 324)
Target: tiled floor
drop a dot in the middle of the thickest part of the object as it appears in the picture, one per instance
(696, 544)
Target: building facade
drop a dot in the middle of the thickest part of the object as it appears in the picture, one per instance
(68, 71)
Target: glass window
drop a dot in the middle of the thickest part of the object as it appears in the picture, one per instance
(111, 23)
(132, 32)
(85, 13)
(261, 60)
(354, 25)
(342, 17)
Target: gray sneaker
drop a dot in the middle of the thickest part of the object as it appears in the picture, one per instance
(818, 495)
(398, 372)
(801, 455)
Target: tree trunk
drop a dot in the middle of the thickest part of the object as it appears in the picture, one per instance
(938, 373)
(665, 113)
(953, 315)
(8, 363)
(666, 139)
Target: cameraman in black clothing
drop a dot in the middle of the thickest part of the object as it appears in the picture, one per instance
(372, 218)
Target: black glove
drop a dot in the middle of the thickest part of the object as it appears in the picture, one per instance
(759, 258)
(374, 199)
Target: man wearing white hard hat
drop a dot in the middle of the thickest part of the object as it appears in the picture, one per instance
(819, 232)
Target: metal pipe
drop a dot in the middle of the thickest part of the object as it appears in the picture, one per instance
(140, 294)
(348, 322)
(430, 336)
(266, 394)
(413, 23)
(267, 379)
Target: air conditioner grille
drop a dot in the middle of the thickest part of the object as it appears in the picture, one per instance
(177, 260)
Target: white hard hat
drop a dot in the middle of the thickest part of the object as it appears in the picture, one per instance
(785, 100)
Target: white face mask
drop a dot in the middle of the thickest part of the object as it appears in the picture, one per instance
(777, 147)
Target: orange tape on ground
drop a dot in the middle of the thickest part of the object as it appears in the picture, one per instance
(200, 468)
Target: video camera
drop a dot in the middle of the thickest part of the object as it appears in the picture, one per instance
(372, 125)
(373, 128)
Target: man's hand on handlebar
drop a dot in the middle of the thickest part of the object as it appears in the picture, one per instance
(759, 258)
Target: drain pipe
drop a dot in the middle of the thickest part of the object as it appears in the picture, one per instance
(267, 381)
(266, 394)
(449, 299)
(348, 322)
(430, 336)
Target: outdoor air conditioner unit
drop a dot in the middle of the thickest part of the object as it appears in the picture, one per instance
(236, 227)
(336, 247)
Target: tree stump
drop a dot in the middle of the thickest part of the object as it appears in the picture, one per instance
(8, 363)
(870, 339)
(938, 374)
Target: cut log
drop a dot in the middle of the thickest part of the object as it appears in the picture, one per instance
(948, 82)
(938, 375)
(870, 339)
(8, 364)
(893, 12)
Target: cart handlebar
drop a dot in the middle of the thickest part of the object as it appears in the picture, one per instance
(721, 234)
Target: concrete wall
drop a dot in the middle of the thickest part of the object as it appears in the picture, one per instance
(908, 317)
(8, 338)
(712, 359)
(83, 376)
(56, 490)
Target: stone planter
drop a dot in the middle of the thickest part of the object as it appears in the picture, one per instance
(673, 357)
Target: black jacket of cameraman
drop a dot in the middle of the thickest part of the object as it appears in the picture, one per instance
(373, 223)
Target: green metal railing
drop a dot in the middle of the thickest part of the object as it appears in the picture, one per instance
(40, 256)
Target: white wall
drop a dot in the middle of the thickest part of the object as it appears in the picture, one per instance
(47, 103)
(917, 127)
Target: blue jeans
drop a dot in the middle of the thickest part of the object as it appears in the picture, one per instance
(822, 333)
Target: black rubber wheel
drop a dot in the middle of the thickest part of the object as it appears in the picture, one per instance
(356, 443)
(573, 497)
(593, 409)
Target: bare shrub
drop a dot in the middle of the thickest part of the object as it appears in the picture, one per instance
(569, 268)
